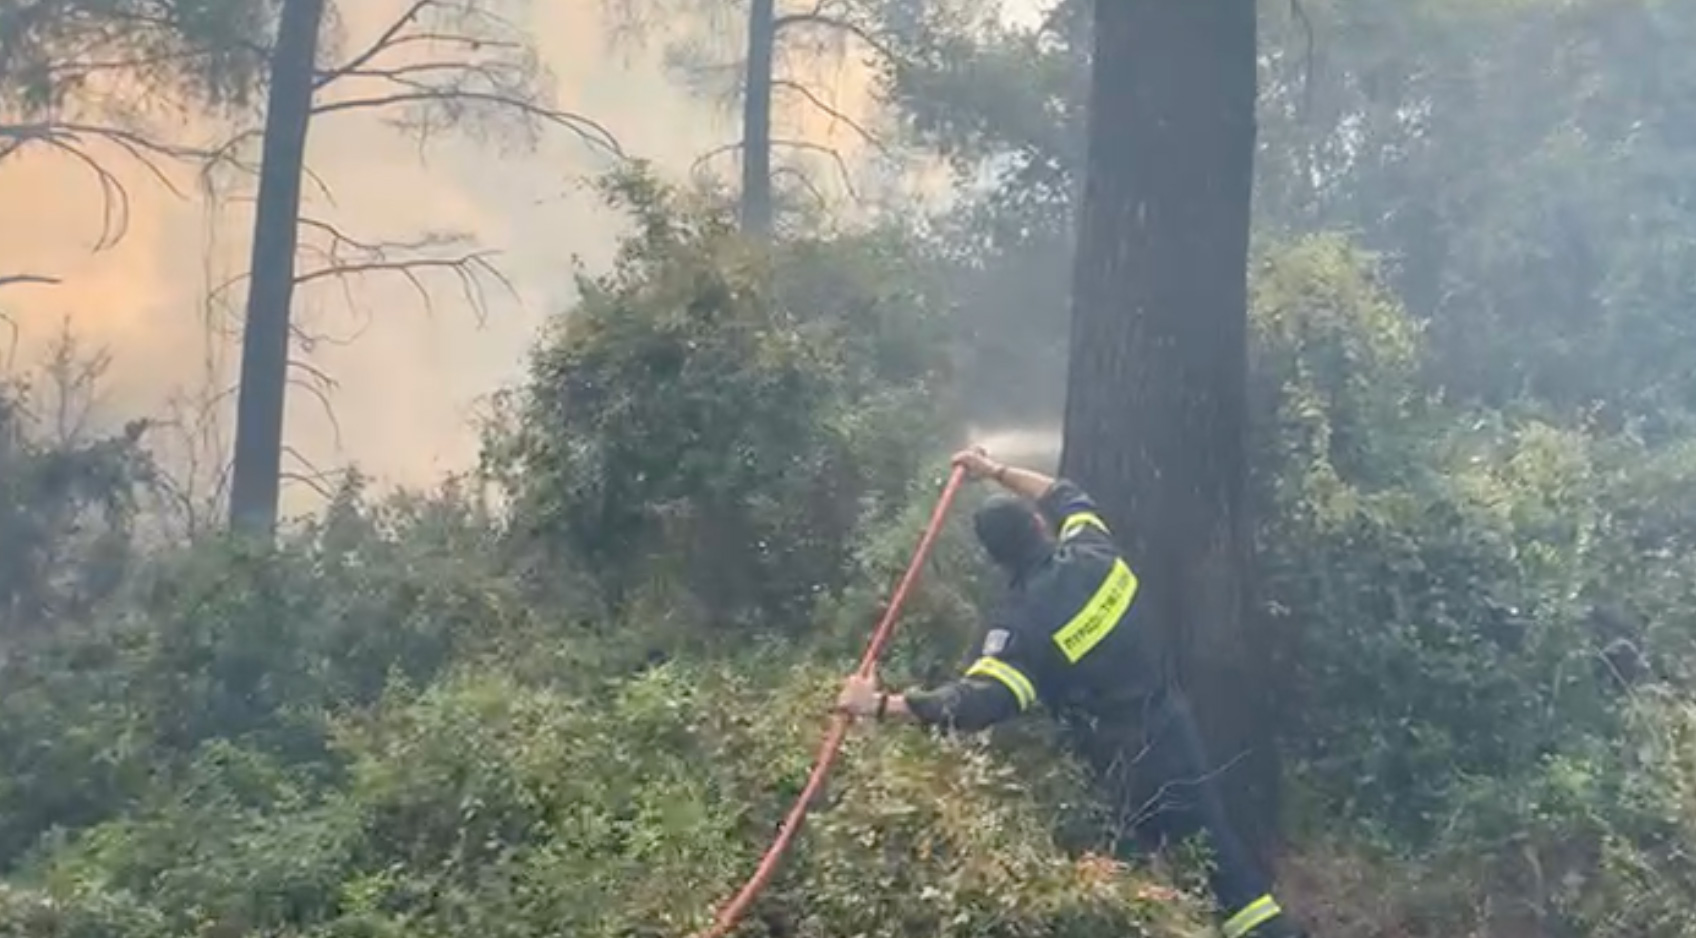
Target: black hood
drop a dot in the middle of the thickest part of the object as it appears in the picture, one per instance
(1011, 532)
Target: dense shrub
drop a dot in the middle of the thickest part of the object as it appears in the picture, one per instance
(497, 807)
(1476, 601)
(223, 641)
(67, 504)
(712, 418)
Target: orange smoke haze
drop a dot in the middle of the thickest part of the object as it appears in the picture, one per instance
(408, 380)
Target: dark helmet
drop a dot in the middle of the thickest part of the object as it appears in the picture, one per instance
(1010, 531)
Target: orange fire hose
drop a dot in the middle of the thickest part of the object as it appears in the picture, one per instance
(732, 913)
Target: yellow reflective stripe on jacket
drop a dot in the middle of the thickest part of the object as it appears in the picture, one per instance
(1015, 679)
(1075, 522)
(1099, 615)
(1252, 916)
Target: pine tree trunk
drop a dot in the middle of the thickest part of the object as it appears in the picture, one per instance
(255, 480)
(756, 119)
(1155, 419)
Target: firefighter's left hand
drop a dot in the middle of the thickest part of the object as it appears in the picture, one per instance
(859, 696)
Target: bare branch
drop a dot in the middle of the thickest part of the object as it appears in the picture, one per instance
(364, 70)
(114, 198)
(340, 240)
(9, 280)
(833, 113)
(841, 164)
(819, 20)
(12, 344)
(346, 257)
(69, 139)
(465, 268)
(715, 151)
(315, 481)
(586, 129)
(494, 71)
(225, 155)
(382, 43)
(320, 385)
(812, 188)
(804, 181)
(406, 268)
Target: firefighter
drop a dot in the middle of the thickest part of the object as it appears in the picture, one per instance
(1069, 635)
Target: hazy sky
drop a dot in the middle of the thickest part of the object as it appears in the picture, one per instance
(409, 383)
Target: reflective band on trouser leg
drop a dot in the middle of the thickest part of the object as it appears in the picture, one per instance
(1252, 916)
(1075, 522)
(1015, 680)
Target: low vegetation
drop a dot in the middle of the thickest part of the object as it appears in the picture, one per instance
(574, 694)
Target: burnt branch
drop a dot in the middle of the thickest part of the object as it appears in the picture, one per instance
(450, 62)
(389, 38)
(803, 145)
(314, 478)
(227, 154)
(835, 157)
(337, 256)
(586, 129)
(804, 181)
(702, 160)
(361, 67)
(10, 280)
(496, 72)
(834, 113)
(817, 19)
(467, 269)
(318, 383)
(72, 139)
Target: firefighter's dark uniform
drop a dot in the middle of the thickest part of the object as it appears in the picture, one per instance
(1067, 635)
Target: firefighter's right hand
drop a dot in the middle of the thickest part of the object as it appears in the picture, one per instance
(976, 462)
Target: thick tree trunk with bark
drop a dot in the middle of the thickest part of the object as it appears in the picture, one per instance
(756, 118)
(1155, 422)
(255, 482)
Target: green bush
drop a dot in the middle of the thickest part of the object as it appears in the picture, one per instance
(224, 641)
(1476, 602)
(67, 508)
(713, 417)
(492, 806)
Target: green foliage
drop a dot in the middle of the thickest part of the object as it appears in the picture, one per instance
(382, 727)
(1522, 168)
(491, 804)
(257, 646)
(208, 50)
(714, 419)
(1479, 608)
(1335, 360)
(66, 515)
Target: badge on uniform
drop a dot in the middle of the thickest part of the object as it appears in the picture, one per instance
(995, 641)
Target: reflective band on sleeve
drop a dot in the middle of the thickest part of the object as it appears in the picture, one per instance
(1015, 680)
(1252, 916)
(1099, 615)
(1076, 522)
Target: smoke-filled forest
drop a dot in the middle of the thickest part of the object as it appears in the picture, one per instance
(1366, 325)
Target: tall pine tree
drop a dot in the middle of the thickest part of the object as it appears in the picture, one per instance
(1155, 417)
